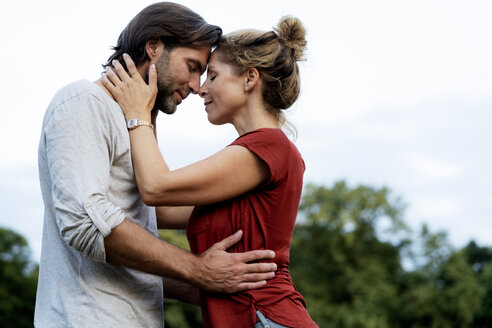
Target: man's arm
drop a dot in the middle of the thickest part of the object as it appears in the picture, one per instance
(77, 140)
(215, 270)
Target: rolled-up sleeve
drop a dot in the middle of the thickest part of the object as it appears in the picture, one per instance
(79, 141)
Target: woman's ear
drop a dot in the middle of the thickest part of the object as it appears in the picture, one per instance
(252, 77)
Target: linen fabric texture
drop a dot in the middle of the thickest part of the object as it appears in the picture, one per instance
(88, 188)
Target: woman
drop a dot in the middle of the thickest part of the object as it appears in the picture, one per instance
(253, 185)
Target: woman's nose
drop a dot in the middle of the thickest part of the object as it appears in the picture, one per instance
(202, 91)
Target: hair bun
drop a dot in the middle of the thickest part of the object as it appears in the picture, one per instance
(292, 34)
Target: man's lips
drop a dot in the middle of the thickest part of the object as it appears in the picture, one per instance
(207, 102)
(182, 95)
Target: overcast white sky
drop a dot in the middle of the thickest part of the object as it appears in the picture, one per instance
(394, 93)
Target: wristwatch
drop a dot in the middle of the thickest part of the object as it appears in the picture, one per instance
(135, 123)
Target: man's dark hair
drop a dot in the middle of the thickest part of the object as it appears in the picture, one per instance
(174, 24)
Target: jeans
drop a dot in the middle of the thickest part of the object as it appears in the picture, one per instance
(266, 323)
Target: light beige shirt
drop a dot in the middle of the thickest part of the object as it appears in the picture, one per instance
(88, 188)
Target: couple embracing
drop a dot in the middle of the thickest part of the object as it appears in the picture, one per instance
(107, 188)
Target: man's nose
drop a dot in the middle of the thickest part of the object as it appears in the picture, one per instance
(194, 84)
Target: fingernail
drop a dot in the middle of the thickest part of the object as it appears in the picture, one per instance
(113, 62)
(272, 254)
(125, 55)
(152, 67)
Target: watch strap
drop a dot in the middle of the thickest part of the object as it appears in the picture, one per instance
(134, 123)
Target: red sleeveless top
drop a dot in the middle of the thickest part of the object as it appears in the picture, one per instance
(267, 217)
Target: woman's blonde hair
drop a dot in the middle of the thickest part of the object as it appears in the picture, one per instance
(275, 55)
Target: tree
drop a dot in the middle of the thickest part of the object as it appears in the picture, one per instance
(348, 276)
(349, 268)
(18, 281)
(480, 260)
(448, 298)
(179, 314)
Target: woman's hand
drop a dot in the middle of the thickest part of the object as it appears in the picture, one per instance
(135, 97)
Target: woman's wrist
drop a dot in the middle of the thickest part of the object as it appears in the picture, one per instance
(134, 123)
(138, 115)
(153, 116)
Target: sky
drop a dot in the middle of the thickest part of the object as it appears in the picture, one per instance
(394, 93)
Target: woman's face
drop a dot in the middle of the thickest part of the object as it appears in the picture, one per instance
(223, 92)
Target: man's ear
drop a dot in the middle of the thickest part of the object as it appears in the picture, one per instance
(154, 48)
(252, 77)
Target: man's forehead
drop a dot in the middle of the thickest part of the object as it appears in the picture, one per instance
(198, 55)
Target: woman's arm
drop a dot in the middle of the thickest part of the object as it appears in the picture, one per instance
(229, 173)
(173, 217)
(181, 291)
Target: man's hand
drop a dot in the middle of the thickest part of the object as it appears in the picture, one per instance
(215, 270)
(225, 272)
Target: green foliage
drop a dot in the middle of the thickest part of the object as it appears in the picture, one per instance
(175, 237)
(18, 281)
(483, 317)
(182, 315)
(347, 275)
(480, 260)
(349, 268)
(447, 298)
(346, 259)
(178, 314)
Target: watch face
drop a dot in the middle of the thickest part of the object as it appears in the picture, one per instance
(132, 123)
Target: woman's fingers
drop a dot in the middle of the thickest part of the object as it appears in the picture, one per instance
(130, 64)
(129, 88)
(111, 81)
(120, 71)
(112, 76)
(153, 79)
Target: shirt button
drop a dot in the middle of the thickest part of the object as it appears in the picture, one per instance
(88, 205)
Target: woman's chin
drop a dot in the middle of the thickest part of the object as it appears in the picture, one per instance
(214, 121)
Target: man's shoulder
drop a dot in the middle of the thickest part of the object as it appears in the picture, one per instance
(77, 90)
(83, 95)
(81, 99)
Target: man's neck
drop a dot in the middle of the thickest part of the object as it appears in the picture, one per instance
(142, 69)
(100, 84)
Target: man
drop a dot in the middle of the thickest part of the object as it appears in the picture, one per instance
(101, 261)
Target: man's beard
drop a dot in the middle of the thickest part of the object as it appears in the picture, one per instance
(165, 86)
